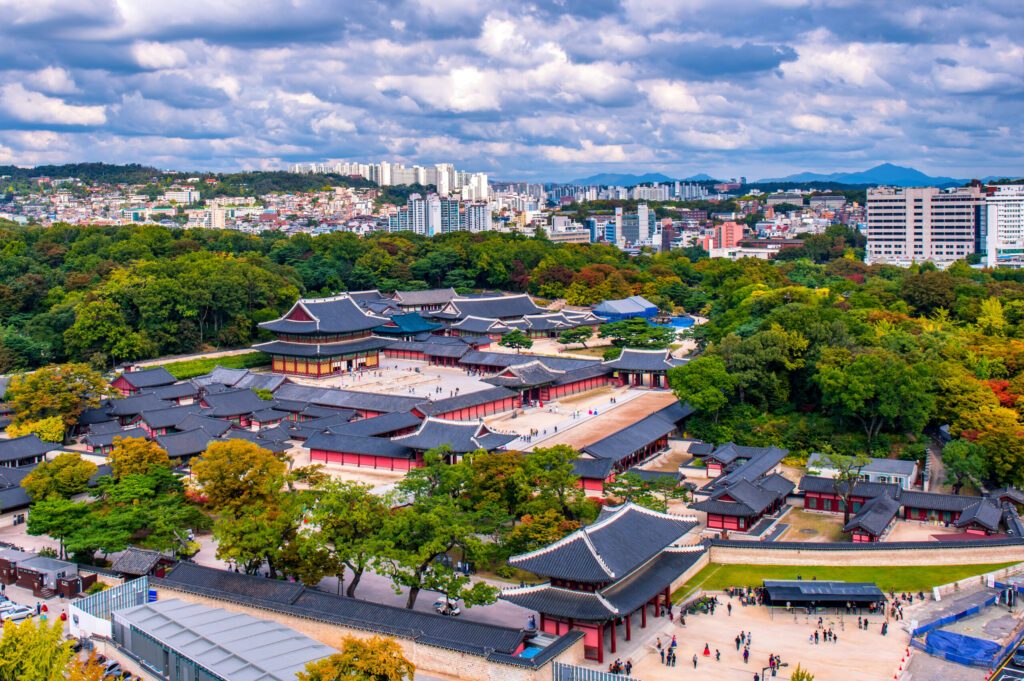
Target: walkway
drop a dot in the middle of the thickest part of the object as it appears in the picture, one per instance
(615, 415)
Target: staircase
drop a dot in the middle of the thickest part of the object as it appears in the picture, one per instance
(46, 593)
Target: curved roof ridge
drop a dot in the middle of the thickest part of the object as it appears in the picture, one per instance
(597, 556)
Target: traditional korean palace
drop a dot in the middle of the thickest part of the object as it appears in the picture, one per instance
(607, 574)
(643, 367)
(324, 337)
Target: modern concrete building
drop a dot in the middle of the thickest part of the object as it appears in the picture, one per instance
(923, 224)
(1003, 226)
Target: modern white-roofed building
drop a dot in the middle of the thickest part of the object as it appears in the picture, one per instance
(185, 641)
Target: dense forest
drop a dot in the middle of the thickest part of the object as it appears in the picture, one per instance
(813, 352)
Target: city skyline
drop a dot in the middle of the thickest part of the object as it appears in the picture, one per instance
(546, 91)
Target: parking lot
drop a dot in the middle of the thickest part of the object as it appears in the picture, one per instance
(1012, 669)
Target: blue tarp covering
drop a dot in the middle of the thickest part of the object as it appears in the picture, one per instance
(634, 306)
(960, 648)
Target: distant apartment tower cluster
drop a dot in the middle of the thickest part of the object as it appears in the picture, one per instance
(444, 176)
(436, 214)
(927, 224)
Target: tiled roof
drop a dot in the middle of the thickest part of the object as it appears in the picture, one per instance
(875, 515)
(292, 598)
(407, 323)
(133, 406)
(460, 436)
(168, 417)
(861, 488)
(434, 296)
(107, 439)
(347, 399)
(592, 469)
(213, 426)
(12, 494)
(984, 513)
(481, 325)
(234, 403)
(136, 561)
(498, 307)
(623, 443)
(356, 444)
(148, 378)
(934, 502)
(322, 349)
(384, 424)
(176, 391)
(610, 548)
(635, 359)
(339, 314)
(465, 400)
(188, 443)
(817, 461)
(24, 447)
(525, 376)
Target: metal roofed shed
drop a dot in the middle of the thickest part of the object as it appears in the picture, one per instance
(626, 308)
(802, 593)
(221, 644)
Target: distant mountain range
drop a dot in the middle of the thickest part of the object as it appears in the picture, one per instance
(886, 173)
(629, 180)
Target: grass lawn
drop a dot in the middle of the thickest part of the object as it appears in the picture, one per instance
(716, 577)
(189, 368)
(812, 527)
(597, 352)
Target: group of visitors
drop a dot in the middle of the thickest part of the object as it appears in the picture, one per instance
(620, 667)
(668, 653)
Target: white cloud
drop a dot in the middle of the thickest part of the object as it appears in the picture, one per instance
(34, 107)
(53, 80)
(668, 95)
(332, 122)
(150, 55)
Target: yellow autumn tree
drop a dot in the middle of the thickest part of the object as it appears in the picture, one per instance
(372, 659)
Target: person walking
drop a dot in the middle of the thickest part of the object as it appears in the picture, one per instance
(746, 655)
(815, 637)
(695, 660)
(728, 609)
(737, 643)
(662, 651)
(718, 655)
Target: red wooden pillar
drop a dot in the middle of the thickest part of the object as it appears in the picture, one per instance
(668, 598)
(628, 632)
(542, 622)
(600, 643)
(643, 617)
(613, 636)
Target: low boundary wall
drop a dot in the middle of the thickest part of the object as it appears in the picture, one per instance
(851, 555)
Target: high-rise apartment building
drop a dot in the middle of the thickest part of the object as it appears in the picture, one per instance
(636, 228)
(478, 217)
(451, 221)
(919, 224)
(1003, 226)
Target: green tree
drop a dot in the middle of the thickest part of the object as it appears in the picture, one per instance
(35, 650)
(846, 474)
(801, 674)
(964, 462)
(101, 334)
(581, 334)
(637, 332)
(653, 493)
(556, 485)
(705, 383)
(50, 429)
(58, 518)
(517, 340)
(64, 390)
(876, 388)
(64, 476)
(372, 659)
(238, 474)
(1004, 452)
(349, 518)
(136, 455)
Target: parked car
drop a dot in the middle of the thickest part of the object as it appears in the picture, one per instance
(16, 614)
(1018, 657)
(445, 606)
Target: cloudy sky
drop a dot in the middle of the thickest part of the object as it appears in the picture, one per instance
(550, 89)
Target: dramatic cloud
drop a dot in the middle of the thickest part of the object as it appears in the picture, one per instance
(528, 89)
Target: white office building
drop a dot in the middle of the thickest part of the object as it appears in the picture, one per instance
(906, 225)
(1003, 226)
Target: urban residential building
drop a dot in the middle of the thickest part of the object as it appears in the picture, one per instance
(1003, 226)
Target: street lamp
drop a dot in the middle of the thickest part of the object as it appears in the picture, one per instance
(777, 667)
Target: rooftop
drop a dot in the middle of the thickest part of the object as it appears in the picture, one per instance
(232, 645)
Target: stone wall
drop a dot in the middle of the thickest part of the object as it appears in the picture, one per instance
(439, 662)
(899, 555)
